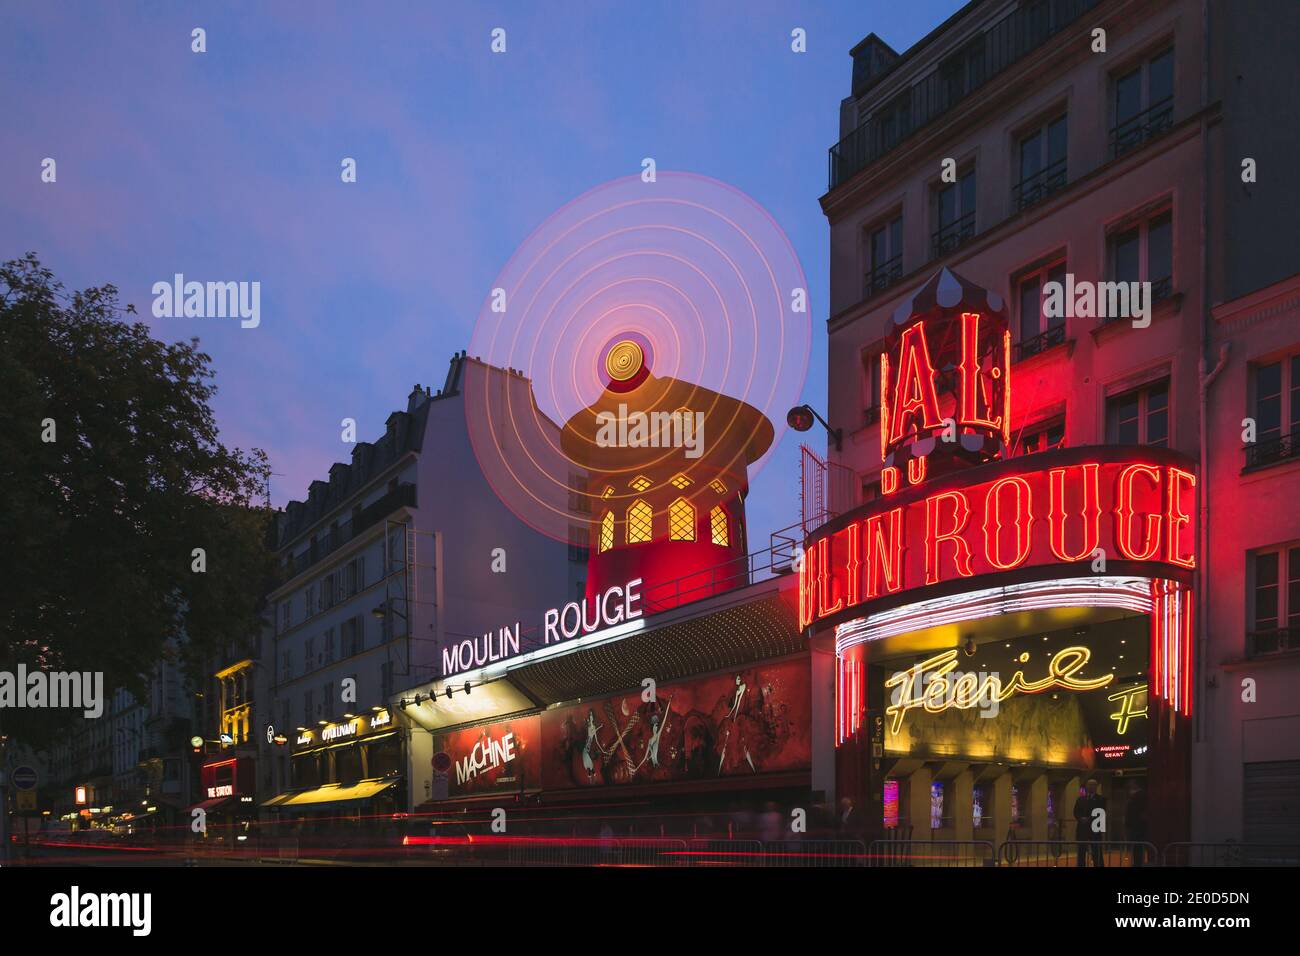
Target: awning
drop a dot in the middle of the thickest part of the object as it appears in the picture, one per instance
(207, 806)
(332, 793)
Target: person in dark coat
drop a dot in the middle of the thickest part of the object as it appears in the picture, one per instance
(1090, 839)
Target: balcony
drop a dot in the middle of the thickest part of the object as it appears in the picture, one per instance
(1274, 450)
(403, 496)
(1019, 33)
(1150, 123)
(1034, 189)
(1041, 342)
(1274, 641)
(881, 277)
(947, 238)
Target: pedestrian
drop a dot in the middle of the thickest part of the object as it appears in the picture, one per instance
(1090, 827)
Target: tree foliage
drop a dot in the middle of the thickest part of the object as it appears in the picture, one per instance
(98, 527)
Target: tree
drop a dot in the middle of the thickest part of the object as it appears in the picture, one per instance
(98, 526)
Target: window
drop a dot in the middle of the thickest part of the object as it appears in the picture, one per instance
(309, 601)
(329, 645)
(1144, 253)
(309, 659)
(895, 120)
(963, 71)
(308, 709)
(1140, 417)
(680, 481)
(353, 636)
(1042, 163)
(954, 214)
(884, 256)
(1276, 617)
(718, 526)
(639, 522)
(871, 386)
(607, 531)
(579, 502)
(579, 541)
(327, 700)
(639, 483)
(1275, 406)
(608, 492)
(1036, 330)
(870, 490)
(717, 485)
(1043, 437)
(286, 616)
(286, 665)
(1143, 102)
(681, 521)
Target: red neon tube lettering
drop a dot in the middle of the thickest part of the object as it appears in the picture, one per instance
(915, 391)
(1124, 515)
(884, 552)
(971, 378)
(934, 537)
(1089, 512)
(1176, 518)
(826, 581)
(993, 522)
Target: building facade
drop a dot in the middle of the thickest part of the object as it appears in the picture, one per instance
(1053, 153)
(399, 554)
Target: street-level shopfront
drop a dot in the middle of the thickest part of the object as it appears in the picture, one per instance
(1003, 630)
(229, 798)
(706, 737)
(350, 768)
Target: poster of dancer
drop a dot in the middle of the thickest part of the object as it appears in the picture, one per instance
(748, 721)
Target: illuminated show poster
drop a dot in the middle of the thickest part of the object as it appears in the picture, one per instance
(750, 721)
(492, 757)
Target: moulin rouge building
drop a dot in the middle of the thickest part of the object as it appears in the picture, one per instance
(1001, 628)
(1065, 161)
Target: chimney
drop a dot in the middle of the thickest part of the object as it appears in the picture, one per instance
(415, 399)
(872, 58)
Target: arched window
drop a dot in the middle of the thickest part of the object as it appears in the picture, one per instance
(639, 517)
(681, 521)
(718, 525)
(607, 531)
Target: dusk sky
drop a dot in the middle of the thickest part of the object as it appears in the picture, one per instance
(226, 166)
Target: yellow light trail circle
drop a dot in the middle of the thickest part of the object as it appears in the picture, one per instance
(624, 360)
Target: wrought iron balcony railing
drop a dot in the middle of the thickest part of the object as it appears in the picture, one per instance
(947, 238)
(881, 277)
(1034, 189)
(1041, 342)
(1273, 450)
(1023, 30)
(1148, 124)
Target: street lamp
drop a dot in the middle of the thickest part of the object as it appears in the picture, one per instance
(801, 418)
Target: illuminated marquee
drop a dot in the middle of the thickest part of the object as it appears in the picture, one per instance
(1077, 505)
(926, 684)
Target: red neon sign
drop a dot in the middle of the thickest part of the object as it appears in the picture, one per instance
(1070, 510)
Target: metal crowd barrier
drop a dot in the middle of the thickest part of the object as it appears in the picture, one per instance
(705, 852)
(1231, 854)
(931, 853)
(817, 854)
(1078, 853)
(651, 851)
